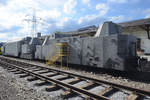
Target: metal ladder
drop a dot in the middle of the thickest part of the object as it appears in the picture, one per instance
(61, 54)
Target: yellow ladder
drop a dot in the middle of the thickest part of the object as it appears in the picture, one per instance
(0, 51)
(53, 60)
(61, 53)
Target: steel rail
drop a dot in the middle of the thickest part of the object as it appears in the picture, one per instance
(135, 90)
(59, 83)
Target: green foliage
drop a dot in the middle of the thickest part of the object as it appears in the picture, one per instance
(58, 32)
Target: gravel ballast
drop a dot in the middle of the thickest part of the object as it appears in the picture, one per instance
(14, 88)
(106, 77)
(23, 91)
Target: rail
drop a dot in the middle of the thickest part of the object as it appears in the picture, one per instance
(134, 92)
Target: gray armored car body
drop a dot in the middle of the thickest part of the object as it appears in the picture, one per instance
(107, 49)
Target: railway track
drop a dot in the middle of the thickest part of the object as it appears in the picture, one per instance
(102, 90)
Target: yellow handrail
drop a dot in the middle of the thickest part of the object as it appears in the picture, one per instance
(61, 51)
(0, 51)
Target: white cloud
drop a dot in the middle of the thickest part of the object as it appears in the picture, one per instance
(14, 38)
(51, 3)
(63, 21)
(118, 1)
(13, 13)
(135, 1)
(123, 1)
(69, 6)
(9, 20)
(7, 37)
(86, 2)
(45, 14)
(95, 18)
(147, 12)
(20, 5)
(48, 10)
(3, 36)
(87, 18)
(116, 18)
(103, 8)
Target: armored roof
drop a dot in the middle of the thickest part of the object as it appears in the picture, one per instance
(136, 25)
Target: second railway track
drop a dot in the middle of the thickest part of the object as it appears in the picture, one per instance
(104, 90)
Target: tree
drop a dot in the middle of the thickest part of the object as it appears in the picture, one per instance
(58, 32)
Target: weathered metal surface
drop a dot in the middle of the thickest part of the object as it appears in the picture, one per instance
(105, 52)
(12, 49)
(109, 49)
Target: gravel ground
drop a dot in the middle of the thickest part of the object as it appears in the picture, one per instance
(13, 88)
(118, 80)
(106, 77)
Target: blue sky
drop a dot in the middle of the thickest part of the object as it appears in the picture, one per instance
(65, 15)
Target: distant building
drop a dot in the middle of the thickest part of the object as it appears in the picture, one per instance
(83, 32)
(140, 29)
(1, 44)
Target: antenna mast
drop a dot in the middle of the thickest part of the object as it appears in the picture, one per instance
(34, 20)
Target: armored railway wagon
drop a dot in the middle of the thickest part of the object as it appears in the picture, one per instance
(108, 49)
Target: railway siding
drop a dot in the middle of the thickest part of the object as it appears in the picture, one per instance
(105, 90)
